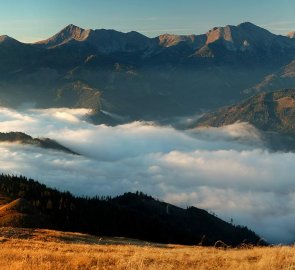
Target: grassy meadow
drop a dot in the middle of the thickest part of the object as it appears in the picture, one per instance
(43, 250)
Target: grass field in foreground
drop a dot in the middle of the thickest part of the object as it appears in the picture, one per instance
(43, 249)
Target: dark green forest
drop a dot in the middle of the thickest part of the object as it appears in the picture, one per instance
(133, 215)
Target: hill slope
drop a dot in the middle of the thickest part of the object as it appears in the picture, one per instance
(130, 215)
(274, 111)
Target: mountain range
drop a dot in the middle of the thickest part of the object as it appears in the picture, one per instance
(127, 76)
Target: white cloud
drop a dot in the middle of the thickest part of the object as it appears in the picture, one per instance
(225, 170)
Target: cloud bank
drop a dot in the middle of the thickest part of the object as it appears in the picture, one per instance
(225, 170)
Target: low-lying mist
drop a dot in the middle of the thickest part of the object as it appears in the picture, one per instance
(225, 170)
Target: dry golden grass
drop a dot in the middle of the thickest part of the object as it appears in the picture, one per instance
(44, 250)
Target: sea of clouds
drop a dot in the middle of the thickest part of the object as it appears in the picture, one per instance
(225, 170)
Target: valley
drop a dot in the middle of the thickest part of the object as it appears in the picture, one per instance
(106, 113)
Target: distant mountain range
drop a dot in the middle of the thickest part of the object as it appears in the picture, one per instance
(135, 77)
(26, 203)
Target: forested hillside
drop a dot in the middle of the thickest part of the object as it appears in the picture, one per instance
(27, 203)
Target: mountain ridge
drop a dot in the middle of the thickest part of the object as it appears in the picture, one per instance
(68, 33)
(140, 78)
(98, 38)
(80, 34)
(235, 37)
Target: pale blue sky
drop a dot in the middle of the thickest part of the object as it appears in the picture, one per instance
(31, 20)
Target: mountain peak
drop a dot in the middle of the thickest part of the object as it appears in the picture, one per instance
(74, 32)
(72, 28)
(248, 25)
(253, 28)
(7, 39)
(245, 37)
(69, 33)
(4, 37)
(241, 29)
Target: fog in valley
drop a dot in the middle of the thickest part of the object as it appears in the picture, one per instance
(225, 170)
